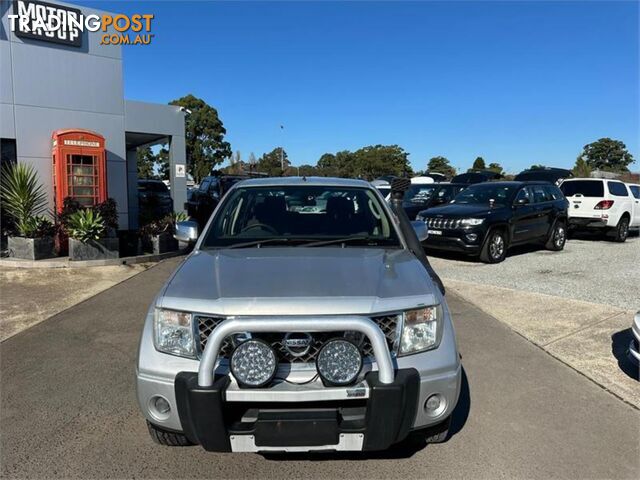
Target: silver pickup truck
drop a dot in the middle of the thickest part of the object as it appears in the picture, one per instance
(304, 319)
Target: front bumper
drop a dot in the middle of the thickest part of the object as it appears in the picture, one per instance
(634, 346)
(456, 240)
(404, 395)
(375, 423)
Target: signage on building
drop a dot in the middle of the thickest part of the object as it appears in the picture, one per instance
(48, 22)
(82, 143)
(180, 170)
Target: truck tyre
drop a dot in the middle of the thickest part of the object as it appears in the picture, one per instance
(621, 231)
(494, 249)
(165, 437)
(558, 237)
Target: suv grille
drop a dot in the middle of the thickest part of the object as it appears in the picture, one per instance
(444, 223)
(388, 324)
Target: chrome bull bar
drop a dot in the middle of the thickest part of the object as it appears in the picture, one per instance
(230, 326)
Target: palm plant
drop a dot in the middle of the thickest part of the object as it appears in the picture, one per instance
(86, 225)
(23, 197)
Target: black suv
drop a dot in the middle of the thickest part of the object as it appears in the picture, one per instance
(206, 197)
(486, 219)
(422, 196)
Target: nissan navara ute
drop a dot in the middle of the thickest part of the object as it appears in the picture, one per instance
(304, 319)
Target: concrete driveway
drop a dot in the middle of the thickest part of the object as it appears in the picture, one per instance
(68, 409)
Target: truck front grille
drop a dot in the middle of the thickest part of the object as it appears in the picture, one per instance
(387, 323)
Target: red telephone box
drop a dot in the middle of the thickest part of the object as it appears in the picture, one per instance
(79, 167)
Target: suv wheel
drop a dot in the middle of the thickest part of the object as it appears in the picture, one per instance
(165, 437)
(622, 230)
(558, 237)
(495, 247)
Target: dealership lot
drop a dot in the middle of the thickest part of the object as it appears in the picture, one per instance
(589, 269)
(69, 408)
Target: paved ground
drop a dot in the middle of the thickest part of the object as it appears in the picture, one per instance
(589, 269)
(68, 409)
(30, 296)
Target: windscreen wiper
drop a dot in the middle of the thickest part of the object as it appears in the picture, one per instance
(259, 243)
(352, 238)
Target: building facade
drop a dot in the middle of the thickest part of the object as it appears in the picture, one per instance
(48, 86)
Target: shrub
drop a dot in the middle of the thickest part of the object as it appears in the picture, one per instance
(86, 225)
(23, 198)
(165, 224)
(35, 227)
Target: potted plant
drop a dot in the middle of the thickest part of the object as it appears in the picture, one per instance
(157, 236)
(87, 240)
(24, 200)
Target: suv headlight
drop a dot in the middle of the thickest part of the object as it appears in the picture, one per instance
(419, 218)
(471, 222)
(421, 330)
(173, 333)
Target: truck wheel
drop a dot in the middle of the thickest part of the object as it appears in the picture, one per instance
(165, 437)
(621, 231)
(558, 237)
(494, 249)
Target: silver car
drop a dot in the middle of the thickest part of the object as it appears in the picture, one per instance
(299, 329)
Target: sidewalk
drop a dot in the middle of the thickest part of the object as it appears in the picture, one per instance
(29, 296)
(591, 338)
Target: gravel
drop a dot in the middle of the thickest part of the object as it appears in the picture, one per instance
(589, 268)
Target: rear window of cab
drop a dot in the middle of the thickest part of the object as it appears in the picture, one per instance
(586, 188)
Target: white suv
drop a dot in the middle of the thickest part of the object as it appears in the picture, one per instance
(603, 204)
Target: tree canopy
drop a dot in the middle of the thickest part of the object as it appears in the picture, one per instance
(607, 154)
(270, 163)
(478, 164)
(441, 164)
(204, 137)
(581, 169)
(146, 161)
(496, 167)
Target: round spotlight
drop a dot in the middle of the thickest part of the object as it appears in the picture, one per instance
(435, 405)
(253, 363)
(159, 407)
(339, 362)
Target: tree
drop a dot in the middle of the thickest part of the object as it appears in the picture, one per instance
(236, 165)
(496, 167)
(270, 163)
(607, 154)
(441, 164)
(374, 161)
(537, 166)
(146, 161)
(581, 169)
(340, 164)
(162, 160)
(204, 137)
(478, 164)
(307, 170)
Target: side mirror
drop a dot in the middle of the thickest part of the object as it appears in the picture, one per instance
(186, 232)
(521, 201)
(421, 230)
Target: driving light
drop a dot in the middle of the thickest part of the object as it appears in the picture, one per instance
(471, 222)
(420, 330)
(173, 333)
(253, 363)
(339, 362)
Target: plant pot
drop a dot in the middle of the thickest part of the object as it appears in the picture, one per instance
(31, 248)
(94, 249)
(163, 243)
(130, 243)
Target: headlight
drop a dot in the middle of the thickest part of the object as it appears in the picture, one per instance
(421, 330)
(471, 222)
(173, 333)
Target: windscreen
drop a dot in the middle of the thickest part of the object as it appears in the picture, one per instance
(418, 194)
(300, 213)
(586, 188)
(482, 193)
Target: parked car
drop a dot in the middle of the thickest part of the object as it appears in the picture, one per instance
(476, 176)
(206, 197)
(154, 199)
(383, 186)
(486, 219)
(634, 346)
(290, 330)
(442, 194)
(546, 174)
(606, 205)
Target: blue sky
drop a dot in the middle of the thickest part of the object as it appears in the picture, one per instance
(515, 82)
